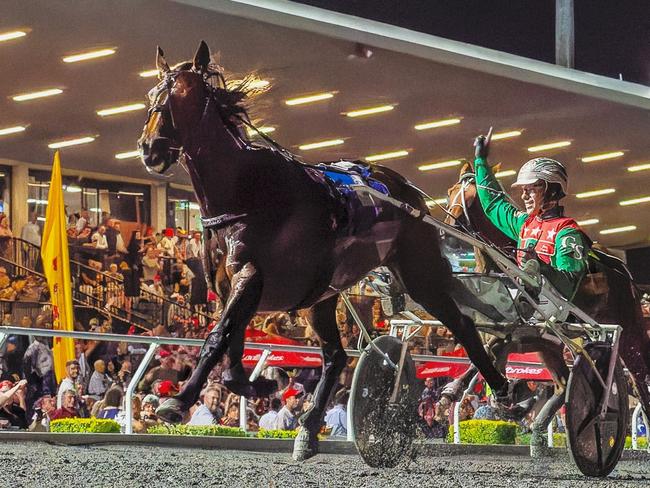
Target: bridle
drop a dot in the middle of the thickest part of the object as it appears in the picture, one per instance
(465, 180)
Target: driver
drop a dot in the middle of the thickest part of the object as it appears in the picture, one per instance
(547, 241)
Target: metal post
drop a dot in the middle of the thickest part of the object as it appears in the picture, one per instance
(549, 433)
(564, 33)
(470, 387)
(134, 383)
(243, 417)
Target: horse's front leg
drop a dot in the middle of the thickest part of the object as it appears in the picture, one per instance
(246, 291)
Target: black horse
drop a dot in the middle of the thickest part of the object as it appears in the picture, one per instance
(279, 236)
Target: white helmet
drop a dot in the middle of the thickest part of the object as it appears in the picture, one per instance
(544, 169)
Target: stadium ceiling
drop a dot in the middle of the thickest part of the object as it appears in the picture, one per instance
(306, 51)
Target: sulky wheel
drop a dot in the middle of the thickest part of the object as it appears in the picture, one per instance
(384, 432)
(596, 444)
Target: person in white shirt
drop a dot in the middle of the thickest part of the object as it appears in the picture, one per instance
(195, 247)
(99, 238)
(31, 232)
(70, 382)
(267, 421)
(83, 221)
(209, 412)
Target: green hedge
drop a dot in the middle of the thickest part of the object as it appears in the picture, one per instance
(277, 434)
(201, 430)
(485, 432)
(642, 442)
(94, 426)
(559, 439)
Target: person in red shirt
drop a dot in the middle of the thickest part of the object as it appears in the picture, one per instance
(68, 408)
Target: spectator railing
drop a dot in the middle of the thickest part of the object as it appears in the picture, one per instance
(156, 341)
(24, 253)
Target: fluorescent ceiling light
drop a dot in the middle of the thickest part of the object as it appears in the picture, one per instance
(320, 144)
(7, 36)
(88, 55)
(437, 123)
(36, 201)
(600, 157)
(388, 155)
(251, 84)
(95, 209)
(369, 111)
(39, 94)
(585, 222)
(194, 206)
(615, 230)
(309, 99)
(40, 219)
(264, 130)
(72, 189)
(639, 167)
(505, 173)
(12, 130)
(120, 110)
(131, 193)
(70, 142)
(552, 145)
(148, 73)
(436, 202)
(634, 201)
(442, 164)
(505, 135)
(595, 193)
(128, 155)
(40, 185)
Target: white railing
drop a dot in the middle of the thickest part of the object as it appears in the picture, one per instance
(155, 341)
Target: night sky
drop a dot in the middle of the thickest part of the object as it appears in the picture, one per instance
(612, 36)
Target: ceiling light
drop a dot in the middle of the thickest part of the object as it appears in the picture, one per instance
(40, 185)
(634, 201)
(70, 142)
(443, 164)
(7, 36)
(249, 84)
(639, 167)
(37, 201)
(388, 155)
(595, 193)
(131, 193)
(148, 73)
(552, 145)
(40, 219)
(505, 173)
(312, 98)
(437, 123)
(194, 206)
(120, 110)
(505, 135)
(72, 189)
(95, 209)
(39, 94)
(264, 130)
(615, 230)
(436, 202)
(12, 130)
(585, 222)
(600, 157)
(370, 111)
(128, 155)
(320, 144)
(88, 55)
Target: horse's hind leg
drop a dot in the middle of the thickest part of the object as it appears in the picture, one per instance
(426, 276)
(323, 322)
(240, 308)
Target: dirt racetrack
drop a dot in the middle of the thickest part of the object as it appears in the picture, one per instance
(39, 464)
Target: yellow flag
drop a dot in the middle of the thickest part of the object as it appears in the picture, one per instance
(56, 266)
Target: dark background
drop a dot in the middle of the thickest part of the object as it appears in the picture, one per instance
(612, 37)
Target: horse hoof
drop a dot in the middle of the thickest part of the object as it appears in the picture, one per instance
(171, 411)
(305, 446)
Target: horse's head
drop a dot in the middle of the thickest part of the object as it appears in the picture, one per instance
(179, 104)
(461, 196)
